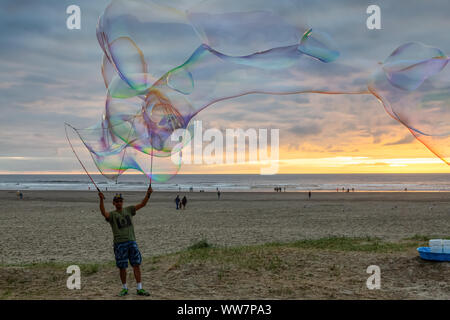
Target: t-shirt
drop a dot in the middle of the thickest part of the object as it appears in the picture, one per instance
(122, 224)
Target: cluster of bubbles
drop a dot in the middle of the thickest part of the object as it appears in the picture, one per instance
(162, 66)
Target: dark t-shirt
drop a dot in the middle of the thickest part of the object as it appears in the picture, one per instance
(122, 224)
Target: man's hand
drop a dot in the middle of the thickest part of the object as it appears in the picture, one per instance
(101, 196)
(149, 190)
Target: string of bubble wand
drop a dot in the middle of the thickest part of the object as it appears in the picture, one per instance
(151, 167)
(76, 155)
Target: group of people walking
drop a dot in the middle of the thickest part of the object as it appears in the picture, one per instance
(343, 189)
(181, 203)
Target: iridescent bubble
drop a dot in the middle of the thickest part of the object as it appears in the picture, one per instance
(414, 87)
(318, 45)
(162, 66)
(412, 63)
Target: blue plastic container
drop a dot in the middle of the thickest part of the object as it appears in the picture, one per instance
(426, 254)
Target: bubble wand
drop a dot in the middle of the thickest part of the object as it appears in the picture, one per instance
(73, 150)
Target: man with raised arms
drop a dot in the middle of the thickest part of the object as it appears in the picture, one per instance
(125, 246)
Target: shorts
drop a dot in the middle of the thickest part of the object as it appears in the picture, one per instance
(125, 251)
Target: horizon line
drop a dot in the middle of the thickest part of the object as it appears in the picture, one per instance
(249, 173)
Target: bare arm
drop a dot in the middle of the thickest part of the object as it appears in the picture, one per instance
(145, 200)
(102, 206)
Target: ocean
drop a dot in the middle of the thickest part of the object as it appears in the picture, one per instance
(235, 182)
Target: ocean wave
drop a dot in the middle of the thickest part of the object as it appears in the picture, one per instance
(252, 183)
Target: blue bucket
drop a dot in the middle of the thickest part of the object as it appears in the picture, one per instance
(426, 254)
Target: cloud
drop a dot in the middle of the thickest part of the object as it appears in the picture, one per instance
(50, 75)
(405, 140)
(305, 130)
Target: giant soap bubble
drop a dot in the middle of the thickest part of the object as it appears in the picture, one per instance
(162, 66)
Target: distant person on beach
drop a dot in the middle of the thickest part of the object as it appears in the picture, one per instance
(125, 246)
(309, 194)
(20, 195)
(177, 201)
(218, 194)
(183, 202)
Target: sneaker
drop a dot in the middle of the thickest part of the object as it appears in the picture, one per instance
(142, 292)
(124, 292)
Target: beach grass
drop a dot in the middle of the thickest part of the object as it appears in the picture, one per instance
(264, 256)
(285, 269)
(201, 244)
(202, 250)
(425, 238)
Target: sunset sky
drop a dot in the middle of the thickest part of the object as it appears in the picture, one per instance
(51, 75)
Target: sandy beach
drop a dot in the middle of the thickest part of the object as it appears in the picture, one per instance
(52, 229)
(67, 226)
